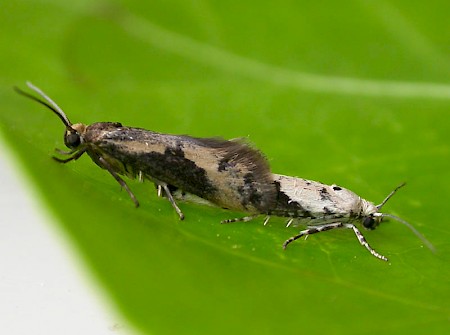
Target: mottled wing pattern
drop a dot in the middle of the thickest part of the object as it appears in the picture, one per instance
(241, 172)
(230, 174)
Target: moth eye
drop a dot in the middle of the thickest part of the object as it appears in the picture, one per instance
(369, 222)
(72, 140)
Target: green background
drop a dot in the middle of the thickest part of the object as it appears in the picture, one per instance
(355, 93)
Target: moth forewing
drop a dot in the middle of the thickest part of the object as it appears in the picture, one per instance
(303, 198)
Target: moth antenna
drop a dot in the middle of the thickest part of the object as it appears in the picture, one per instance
(49, 103)
(390, 195)
(396, 218)
(414, 230)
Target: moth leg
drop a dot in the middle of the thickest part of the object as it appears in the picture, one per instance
(77, 155)
(122, 183)
(159, 190)
(64, 152)
(363, 242)
(289, 222)
(141, 177)
(165, 187)
(325, 227)
(104, 165)
(313, 230)
(244, 219)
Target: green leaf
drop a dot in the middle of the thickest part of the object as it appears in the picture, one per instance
(355, 93)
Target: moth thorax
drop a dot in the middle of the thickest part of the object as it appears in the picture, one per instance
(79, 127)
(367, 208)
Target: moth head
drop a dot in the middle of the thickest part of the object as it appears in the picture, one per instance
(372, 221)
(73, 136)
(371, 215)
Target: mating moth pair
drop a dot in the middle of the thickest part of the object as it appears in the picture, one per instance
(226, 173)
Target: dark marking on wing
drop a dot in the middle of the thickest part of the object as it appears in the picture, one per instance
(285, 206)
(327, 211)
(173, 168)
(324, 195)
(249, 191)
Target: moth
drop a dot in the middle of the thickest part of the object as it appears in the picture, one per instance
(226, 173)
(325, 207)
(229, 174)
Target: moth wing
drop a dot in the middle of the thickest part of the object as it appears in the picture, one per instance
(244, 171)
